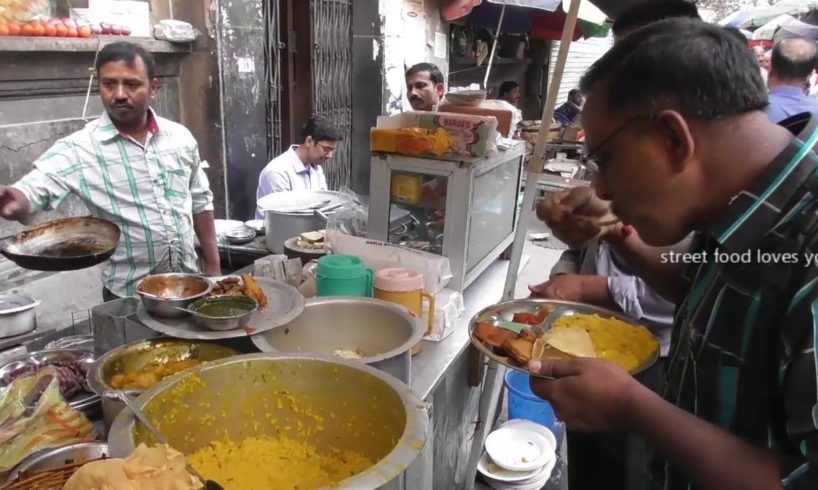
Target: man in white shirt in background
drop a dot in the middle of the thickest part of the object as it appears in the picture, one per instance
(300, 167)
(763, 62)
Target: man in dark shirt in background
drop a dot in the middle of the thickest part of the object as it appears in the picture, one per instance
(680, 143)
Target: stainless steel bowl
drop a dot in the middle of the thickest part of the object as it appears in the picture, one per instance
(366, 410)
(237, 312)
(50, 459)
(384, 333)
(163, 294)
(135, 356)
(256, 225)
(241, 235)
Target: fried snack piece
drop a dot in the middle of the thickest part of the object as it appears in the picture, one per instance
(230, 286)
(253, 290)
(491, 335)
(519, 349)
(533, 318)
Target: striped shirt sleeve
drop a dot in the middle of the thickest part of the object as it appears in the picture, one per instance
(51, 178)
(799, 464)
(200, 191)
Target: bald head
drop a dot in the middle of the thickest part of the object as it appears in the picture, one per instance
(793, 60)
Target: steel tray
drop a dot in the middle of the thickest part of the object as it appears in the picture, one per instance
(507, 309)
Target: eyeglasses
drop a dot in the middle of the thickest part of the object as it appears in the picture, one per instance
(589, 159)
(326, 149)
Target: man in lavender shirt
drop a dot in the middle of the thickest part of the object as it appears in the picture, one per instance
(300, 167)
(792, 62)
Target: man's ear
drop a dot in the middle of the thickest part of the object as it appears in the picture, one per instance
(308, 141)
(678, 137)
(439, 89)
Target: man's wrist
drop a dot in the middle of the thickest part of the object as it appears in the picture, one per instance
(632, 403)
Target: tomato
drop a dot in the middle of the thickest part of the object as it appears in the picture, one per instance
(15, 29)
(84, 31)
(50, 30)
(4, 30)
(38, 29)
(72, 32)
(27, 30)
(62, 31)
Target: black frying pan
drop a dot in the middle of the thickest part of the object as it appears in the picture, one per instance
(63, 244)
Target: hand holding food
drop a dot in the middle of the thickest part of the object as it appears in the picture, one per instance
(590, 395)
(576, 216)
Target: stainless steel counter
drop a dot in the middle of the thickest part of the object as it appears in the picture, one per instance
(431, 364)
(461, 415)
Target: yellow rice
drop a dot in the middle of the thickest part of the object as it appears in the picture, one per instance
(265, 463)
(614, 340)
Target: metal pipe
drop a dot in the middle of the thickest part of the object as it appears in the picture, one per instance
(494, 47)
(535, 164)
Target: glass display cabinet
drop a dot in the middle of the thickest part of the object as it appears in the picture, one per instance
(464, 209)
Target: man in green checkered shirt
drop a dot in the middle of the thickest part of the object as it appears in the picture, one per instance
(680, 144)
(130, 167)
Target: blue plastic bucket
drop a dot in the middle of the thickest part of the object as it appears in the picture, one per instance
(523, 404)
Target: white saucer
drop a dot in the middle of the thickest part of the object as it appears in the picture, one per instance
(493, 471)
(536, 482)
(519, 448)
(539, 429)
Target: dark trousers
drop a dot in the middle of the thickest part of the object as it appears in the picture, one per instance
(612, 461)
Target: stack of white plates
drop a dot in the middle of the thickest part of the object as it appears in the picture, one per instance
(520, 455)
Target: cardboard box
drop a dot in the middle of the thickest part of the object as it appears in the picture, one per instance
(486, 108)
(468, 135)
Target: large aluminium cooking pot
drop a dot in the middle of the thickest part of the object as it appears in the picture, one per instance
(289, 214)
(63, 244)
(383, 333)
(17, 314)
(372, 413)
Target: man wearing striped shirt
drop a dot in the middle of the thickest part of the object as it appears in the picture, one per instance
(677, 133)
(130, 167)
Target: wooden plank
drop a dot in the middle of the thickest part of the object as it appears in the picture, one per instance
(23, 44)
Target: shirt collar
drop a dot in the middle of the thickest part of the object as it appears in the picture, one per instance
(298, 165)
(754, 211)
(787, 90)
(106, 131)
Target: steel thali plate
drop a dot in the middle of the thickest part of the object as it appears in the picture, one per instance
(284, 304)
(506, 311)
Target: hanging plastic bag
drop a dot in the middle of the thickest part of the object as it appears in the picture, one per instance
(50, 423)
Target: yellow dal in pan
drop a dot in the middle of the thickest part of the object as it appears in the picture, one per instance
(614, 340)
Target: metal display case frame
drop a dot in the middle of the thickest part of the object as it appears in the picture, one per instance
(461, 176)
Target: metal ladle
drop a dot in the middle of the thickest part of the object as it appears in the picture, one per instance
(144, 420)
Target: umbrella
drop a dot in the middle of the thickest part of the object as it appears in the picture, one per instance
(592, 17)
(796, 29)
(756, 17)
(768, 30)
